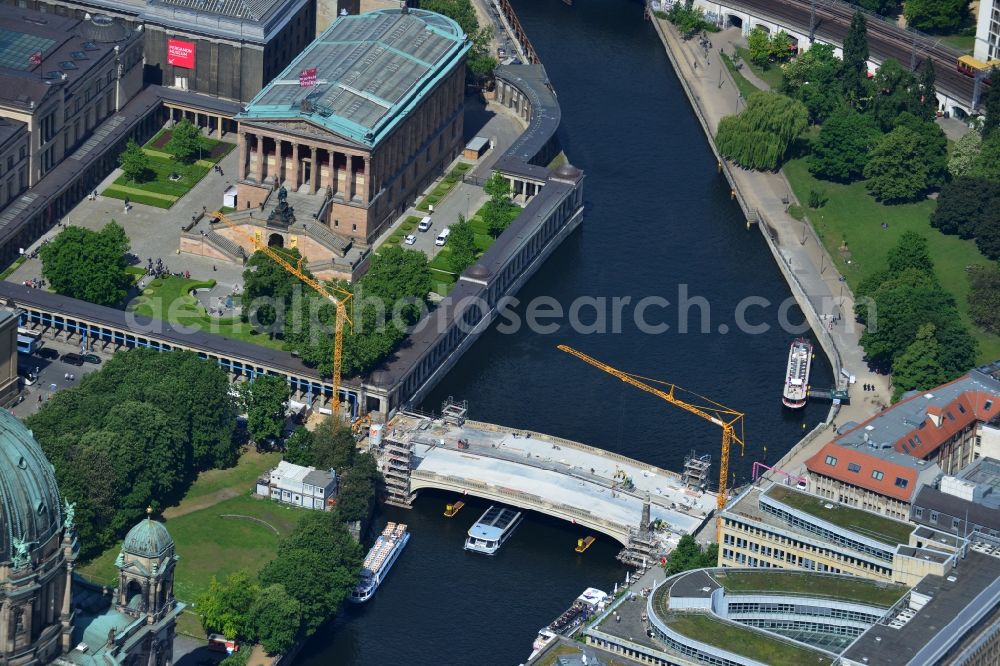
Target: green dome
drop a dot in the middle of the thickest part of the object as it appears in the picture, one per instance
(148, 539)
(30, 509)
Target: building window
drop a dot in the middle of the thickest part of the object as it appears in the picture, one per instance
(877, 475)
(955, 522)
(918, 512)
(831, 461)
(934, 516)
(354, 227)
(336, 223)
(853, 467)
(901, 482)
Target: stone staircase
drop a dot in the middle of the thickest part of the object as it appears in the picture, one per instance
(225, 245)
(322, 234)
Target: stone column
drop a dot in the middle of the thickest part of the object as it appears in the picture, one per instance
(332, 155)
(314, 174)
(366, 193)
(349, 178)
(243, 156)
(219, 127)
(260, 157)
(295, 166)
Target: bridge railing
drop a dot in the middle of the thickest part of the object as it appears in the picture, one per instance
(524, 500)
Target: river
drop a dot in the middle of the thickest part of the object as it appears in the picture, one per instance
(658, 216)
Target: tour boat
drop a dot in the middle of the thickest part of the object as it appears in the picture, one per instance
(797, 374)
(379, 560)
(492, 529)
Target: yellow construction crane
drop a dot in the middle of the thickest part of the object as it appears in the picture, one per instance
(728, 419)
(335, 295)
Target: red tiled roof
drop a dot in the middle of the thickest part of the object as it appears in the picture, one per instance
(869, 464)
(918, 443)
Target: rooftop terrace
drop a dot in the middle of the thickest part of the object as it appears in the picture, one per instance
(872, 525)
(836, 587)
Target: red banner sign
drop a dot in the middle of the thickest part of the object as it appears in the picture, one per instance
(307, 77)
(180, 54)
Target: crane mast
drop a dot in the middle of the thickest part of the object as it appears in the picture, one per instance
(730, 420)
(338, 297)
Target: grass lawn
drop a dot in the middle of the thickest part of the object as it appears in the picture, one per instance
(744, 86)
(168, 299)
(872, 525)
(771, 74)
(236, 479)
(210, 545)
(820, 585)
(960, 42)
(446, 185)
(851, 214)
(743, 641)
(158, 190)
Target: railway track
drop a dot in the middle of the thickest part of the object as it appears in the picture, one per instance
(885, 39)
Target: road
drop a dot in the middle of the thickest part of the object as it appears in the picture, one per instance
(885, 39)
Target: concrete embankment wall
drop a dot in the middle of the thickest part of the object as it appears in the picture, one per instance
(677, 58)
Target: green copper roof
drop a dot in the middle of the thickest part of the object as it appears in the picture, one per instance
(372, 69)
(30, 508)
(148, 539)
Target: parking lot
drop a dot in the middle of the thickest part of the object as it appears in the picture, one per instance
(52, 375)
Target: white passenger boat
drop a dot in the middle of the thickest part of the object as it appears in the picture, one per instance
(492, 529)
(379, 560)
(797, 374)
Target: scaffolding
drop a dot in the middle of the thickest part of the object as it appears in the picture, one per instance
(453, 411)
(397, 463)
(696, 469)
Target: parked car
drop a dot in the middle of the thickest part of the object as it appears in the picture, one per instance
(47, 353)
(72, 359)
(92, 358)
(410, 240)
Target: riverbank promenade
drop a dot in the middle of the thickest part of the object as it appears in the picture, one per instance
(800, 255)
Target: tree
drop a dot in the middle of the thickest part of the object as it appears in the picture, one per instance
(895, 91)
(918, 368)
(463, 245)
(759, 137)
(277, 619)
(928, 91)
(987, 164)
(780, 46)
(264, 400)
(840, 152)
(88, 265)
(855, 69)
(499, 210)
(759, 46)
(689, 555)
(813, 79)
(883, 7)
(134, 162)
(940, 16)
(896, 171)
(933, 145)
(988, 237)
(911, 251)
(298, 447)
(268, 289)
(400, 279)
(357, 488)
(964, 204)
(984, 297)
(991, 104)
(135, 434)
(333, 447)
(480, 63)
(185, 142)
(226, 607)
(965, 154)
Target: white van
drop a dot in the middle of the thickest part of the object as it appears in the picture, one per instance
(425, 224)
(443, 237)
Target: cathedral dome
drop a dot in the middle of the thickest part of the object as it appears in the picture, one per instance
(148, 539)
(30, 509)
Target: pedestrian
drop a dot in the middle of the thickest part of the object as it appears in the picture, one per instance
(214, 268)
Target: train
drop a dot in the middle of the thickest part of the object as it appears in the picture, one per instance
(970, 66)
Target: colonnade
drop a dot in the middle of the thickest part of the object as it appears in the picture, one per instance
(297, 163)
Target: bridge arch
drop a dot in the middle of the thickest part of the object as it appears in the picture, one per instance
(422, 479)
(734, 21)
